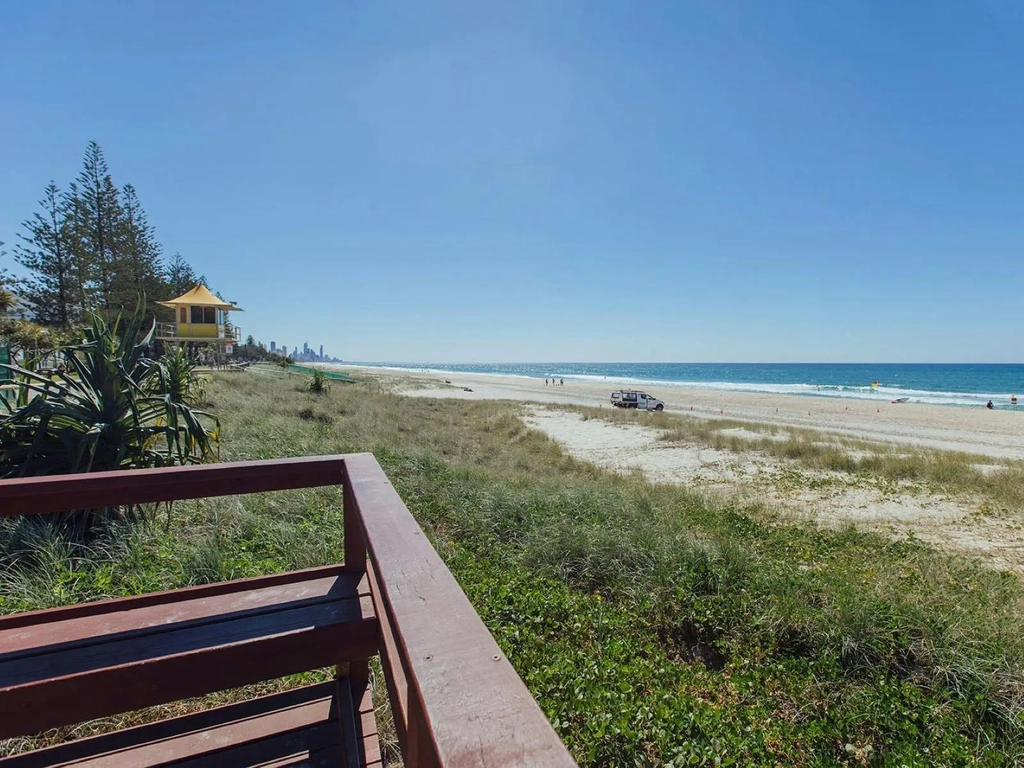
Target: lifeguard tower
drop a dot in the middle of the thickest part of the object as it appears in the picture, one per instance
(200, 318)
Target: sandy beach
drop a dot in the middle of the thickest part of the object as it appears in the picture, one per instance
(769, 486)
(997, 433)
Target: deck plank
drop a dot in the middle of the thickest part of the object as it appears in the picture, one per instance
(61, 683)
(166, 597)
(279, 729)
(139, 616)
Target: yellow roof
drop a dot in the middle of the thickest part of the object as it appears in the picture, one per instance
(199, 296)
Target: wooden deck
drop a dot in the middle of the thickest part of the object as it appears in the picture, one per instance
(456, 699)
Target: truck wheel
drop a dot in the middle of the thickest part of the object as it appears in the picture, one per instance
(659, 407)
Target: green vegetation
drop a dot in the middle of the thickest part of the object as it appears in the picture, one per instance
(175, 377)
(111, 408)
(317, 383)
(91, 246)
(6, 297)
(1001, 481)
(652, 629)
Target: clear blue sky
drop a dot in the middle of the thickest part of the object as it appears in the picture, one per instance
(537, 181)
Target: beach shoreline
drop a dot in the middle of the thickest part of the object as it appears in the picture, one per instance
(998, 434)
(962, 385)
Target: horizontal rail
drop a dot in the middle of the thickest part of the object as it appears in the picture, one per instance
(459, 700)
(60, 493)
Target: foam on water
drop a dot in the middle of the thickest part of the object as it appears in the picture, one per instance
(965, 384)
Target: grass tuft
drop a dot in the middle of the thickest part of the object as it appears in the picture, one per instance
(1000, 481)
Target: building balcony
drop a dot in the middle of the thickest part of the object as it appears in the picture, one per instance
(199, 332)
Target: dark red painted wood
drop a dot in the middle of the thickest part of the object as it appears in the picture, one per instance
(355, 543)
(59, 493)
(141, 618)
(475, 709)
(391, 663)
(253, 732)
(349, 724)
(141, 648)
(458, 699)
(37, 706)
(65, 682)
(168, 597)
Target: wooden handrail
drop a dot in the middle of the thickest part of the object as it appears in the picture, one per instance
(458, 700)
(466, 704)
(60, 493)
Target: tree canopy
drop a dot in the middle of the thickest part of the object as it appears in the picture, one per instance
(91, 246)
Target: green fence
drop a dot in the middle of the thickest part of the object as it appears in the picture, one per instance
(5, 360)
(332, 375)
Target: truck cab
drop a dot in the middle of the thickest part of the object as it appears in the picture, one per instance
(631, 398)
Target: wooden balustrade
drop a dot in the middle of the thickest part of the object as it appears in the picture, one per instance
(456, 699)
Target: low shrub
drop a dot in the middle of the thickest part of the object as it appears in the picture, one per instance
(318, 383)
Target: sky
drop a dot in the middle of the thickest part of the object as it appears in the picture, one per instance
(555, 181)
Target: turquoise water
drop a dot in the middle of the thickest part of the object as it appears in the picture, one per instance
(940, 384)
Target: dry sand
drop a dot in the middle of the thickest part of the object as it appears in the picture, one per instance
(778, 489)
(975, 430)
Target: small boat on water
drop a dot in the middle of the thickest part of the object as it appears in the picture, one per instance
(901, 400)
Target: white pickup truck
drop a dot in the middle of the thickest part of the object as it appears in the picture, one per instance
(631, 398)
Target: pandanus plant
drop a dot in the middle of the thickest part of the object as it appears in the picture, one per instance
(175, 376)
(108, 407)
(318, 384)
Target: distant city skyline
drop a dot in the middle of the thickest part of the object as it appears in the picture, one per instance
(306, 355)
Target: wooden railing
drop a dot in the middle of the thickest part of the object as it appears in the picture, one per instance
(456, 699)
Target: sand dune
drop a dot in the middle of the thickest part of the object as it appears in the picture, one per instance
(763, 483)
(975, 430)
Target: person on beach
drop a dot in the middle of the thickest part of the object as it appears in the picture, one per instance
(561, 382)
(1013, 399)
(989, 405)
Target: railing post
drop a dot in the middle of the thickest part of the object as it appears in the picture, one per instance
(355, 542)
(355, 558)
(419, 751)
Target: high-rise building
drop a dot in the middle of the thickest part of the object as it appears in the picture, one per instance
(321, 352)
(284, 350)
(305, 348)
(273, 346)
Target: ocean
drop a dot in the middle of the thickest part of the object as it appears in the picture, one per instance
(938, 384)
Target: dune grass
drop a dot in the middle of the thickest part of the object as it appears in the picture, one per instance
(999, 481)
(652, 628)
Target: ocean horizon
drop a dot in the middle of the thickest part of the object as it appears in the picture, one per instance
(955, 384)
